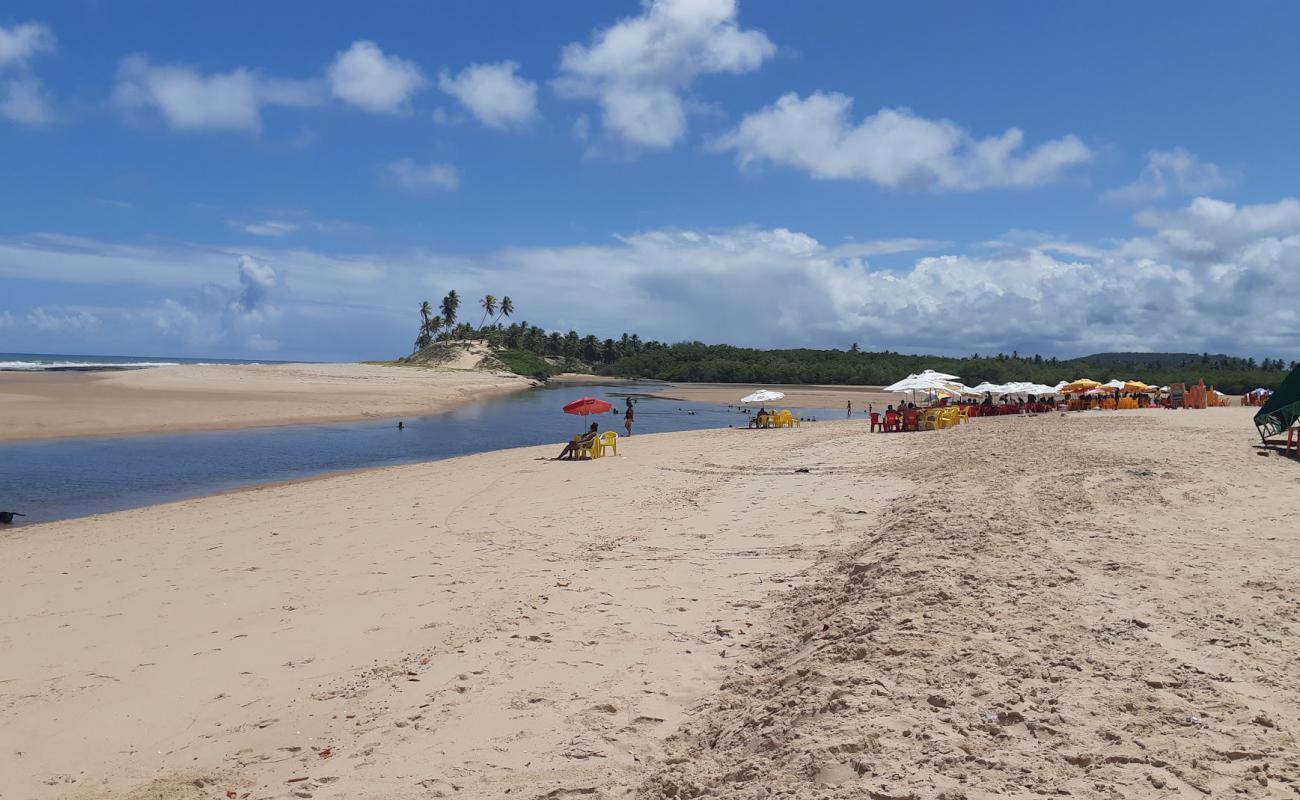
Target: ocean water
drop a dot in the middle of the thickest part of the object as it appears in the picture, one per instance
(47, 362)
(61, 479)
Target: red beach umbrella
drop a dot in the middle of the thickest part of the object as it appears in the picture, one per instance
(587, 405)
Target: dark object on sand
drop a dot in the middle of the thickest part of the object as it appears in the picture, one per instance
(7, 517)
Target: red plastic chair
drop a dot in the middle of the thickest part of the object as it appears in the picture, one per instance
(891, 421)
(876, 424)
(912, 421)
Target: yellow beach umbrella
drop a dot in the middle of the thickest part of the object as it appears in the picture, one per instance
(1081, 385)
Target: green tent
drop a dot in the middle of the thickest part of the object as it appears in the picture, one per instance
(1282, 409)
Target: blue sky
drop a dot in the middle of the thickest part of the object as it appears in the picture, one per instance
(288, 180)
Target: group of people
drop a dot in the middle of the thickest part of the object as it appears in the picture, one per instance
(573, 449)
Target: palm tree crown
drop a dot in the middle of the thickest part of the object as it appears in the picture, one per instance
(450, 304)
(489, 306)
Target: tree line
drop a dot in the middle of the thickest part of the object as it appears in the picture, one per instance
(631, 357)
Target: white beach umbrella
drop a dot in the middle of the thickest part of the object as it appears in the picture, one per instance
(943, 376)
(1115, 384)
(763, 396)
(964, 390)
(926, 384)
(995, 388)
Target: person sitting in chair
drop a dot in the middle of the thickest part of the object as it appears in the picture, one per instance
(572, 449)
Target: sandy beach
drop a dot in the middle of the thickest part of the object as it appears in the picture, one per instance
(216, 397)
(1103, 604)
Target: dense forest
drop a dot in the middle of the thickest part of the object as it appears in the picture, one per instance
(529, 349)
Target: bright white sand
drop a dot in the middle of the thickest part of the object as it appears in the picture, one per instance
(1103, 604)
(214, 397)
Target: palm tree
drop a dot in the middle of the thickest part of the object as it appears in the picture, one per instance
(425, 336)
(450, 304)
(507, 308)
(489, 306)
(433, 325)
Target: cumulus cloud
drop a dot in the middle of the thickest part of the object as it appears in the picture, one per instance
(407, 174)
(22, 99)
(493, 93)
(638, 68)
(362, 76)
(893, 147)
(1171, 173)
(365, 77)
(191, 100)
(1209, 229)
(256, 280)
(19, 43)
(1022, 291)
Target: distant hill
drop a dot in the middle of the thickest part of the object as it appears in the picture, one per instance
(1148, 359)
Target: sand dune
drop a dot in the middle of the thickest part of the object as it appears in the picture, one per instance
(1098, 604)
(215, 397)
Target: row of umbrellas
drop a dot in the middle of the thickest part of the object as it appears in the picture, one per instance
(941, 384)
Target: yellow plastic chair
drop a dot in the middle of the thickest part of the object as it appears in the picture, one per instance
(785, 419)
(587, 449)
(930, 419)
(949, 418)
(963, 415)
(606, 441)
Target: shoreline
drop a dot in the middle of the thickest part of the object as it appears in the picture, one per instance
(213, 397)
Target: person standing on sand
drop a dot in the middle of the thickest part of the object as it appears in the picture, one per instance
(849, 408)
(627, 417)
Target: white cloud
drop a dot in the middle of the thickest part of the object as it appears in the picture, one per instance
(1209, 229)
(638, 68)
(365, 77)
(256, 280)
(410, 175)
(493, 93)
(1172, 173)
(190, 100)
(19, 43)
(21, 98)
(1027, 291)
(893, 147)
(270, 227)
(62, 322)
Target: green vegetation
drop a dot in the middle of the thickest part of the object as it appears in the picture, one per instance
(693, 361)
(522, 362)
(529, 350)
